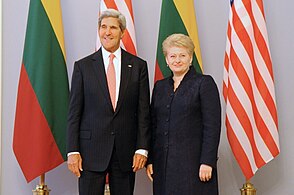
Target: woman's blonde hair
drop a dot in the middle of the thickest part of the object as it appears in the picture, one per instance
(178, 40)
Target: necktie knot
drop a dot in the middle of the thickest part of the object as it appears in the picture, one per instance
(111, 57)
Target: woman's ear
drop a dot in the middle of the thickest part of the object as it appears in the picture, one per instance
(166, 61)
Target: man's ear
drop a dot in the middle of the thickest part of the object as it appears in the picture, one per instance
(122, 34)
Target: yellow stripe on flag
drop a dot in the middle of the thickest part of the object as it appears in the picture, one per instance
(186, 10)
(53, 10)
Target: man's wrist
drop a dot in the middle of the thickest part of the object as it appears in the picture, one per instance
(70, 153)
(142, 152)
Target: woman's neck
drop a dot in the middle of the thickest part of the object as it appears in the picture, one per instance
(177, 80)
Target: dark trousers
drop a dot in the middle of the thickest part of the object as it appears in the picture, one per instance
(120, 183)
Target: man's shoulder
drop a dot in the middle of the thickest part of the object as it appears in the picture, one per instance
(133, 57)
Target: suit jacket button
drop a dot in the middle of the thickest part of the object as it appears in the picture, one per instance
(112, 133)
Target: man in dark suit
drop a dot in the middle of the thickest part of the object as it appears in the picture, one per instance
(108, 120)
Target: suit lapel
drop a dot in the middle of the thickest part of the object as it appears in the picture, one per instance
(126, 69)
(98, 66)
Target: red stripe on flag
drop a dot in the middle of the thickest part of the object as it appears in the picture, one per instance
(158, 73)
(110, 4)
(33, 143)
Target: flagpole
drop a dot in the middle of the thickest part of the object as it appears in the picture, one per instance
(41, 189)
(248, 189)
(107, 190)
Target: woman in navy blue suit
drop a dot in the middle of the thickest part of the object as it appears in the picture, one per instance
(186, 123)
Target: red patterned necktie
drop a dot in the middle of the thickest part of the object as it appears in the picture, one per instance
(111, 81)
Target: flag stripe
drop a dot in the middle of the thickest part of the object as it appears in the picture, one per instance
(34, 146)
(248, 88)
(176, 19)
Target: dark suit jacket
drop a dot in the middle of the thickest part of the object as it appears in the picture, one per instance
(186, 128)
(93, 127)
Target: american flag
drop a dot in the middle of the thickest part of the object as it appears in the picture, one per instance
(125, 7)
(248, 88)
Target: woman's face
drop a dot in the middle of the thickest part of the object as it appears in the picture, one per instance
(178, 60)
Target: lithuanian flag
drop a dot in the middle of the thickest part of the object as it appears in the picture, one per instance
(177, 16)
(42, 102)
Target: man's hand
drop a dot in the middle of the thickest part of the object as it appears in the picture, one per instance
(205, 172)
(149, 171)
(74, 164)
(139, 162)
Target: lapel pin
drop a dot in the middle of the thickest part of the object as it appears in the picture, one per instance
(130, 66)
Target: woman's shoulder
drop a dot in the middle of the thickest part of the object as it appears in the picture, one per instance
(162, 82)
(203, 77)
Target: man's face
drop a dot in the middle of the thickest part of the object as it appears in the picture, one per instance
(110, 34)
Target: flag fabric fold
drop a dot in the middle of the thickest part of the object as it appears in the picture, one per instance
(42, 100)
(177, 16)
(248, 88)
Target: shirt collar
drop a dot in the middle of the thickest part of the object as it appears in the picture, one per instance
(106, 53)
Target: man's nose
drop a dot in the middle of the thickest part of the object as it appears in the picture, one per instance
(108, 31)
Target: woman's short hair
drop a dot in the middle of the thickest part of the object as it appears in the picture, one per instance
(178, 40)
(114, 14)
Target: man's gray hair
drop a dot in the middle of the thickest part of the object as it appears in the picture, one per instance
(114, 14)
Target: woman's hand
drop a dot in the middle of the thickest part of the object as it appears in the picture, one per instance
(205, 172)
(149, 171)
